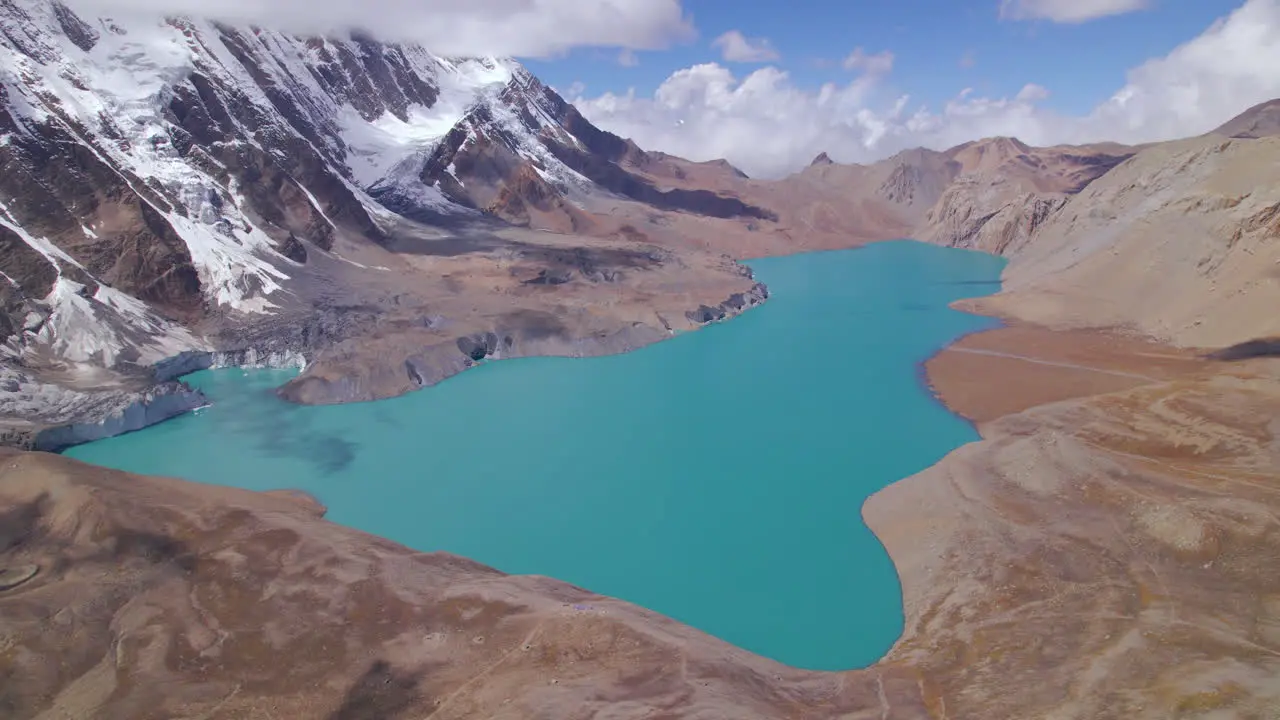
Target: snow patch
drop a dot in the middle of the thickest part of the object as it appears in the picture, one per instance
(378, 148)
(130, 77)
(232, 273)
(315, 204)
(97, 329)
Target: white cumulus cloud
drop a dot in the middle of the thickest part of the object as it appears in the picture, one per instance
(768, 125)
(527, 28)
(735, 47)
(1068, 11)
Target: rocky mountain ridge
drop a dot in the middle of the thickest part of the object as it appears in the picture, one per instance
(172, 185)
(1175, 241)
(1181, 243)
(1103, 552)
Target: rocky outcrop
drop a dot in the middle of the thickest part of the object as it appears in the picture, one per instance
(25, 276)
(425, 366)
(976, 214)
(733, 305)
(527, 148)
(529, 200)
(1003, 190)
(915, 179)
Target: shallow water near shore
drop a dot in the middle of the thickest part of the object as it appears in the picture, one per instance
(717, 477)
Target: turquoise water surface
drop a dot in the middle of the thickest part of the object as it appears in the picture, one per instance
(717, 477)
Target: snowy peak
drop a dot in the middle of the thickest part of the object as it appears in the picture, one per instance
(506, 134)
(196, 166)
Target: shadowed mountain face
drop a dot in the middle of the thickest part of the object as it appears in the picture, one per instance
(243, 181)
(177, 184)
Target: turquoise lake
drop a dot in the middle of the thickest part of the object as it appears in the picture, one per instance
(717, 477)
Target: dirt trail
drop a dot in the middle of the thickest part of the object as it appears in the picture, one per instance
(1052, 363)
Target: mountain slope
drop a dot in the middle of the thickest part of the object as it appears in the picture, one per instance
(1261, 120)
(987, 194)
(176, 189)
(176, 192)
(1181, 243)
(1176, 241)
(1005, 189)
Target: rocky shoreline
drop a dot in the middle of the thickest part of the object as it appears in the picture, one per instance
(55, 418)
(420, 367)
(60, 418)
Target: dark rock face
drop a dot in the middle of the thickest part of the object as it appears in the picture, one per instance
(1092, 167)
(487, 158)
(734, 305)
(286, 160)
(298, 145)
(276, 199)
(1041, 209)
(34, 273)
(478, 347)
(80, 32)
(25, 275)
(705, 314)
(55, 187)
(1261, 347)
(551, 277)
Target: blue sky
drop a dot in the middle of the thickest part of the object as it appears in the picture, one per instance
(1045, 71)
(1081, 63)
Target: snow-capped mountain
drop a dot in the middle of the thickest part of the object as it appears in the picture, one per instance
(156, 171)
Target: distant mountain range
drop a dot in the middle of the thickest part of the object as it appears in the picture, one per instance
(179, 186)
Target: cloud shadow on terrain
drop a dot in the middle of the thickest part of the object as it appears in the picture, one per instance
(1257, 348)
(21, 526)
(382, 692)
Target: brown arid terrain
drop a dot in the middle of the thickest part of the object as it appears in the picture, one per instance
(1177, 243)
(1105, 551)
(1102, 553)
